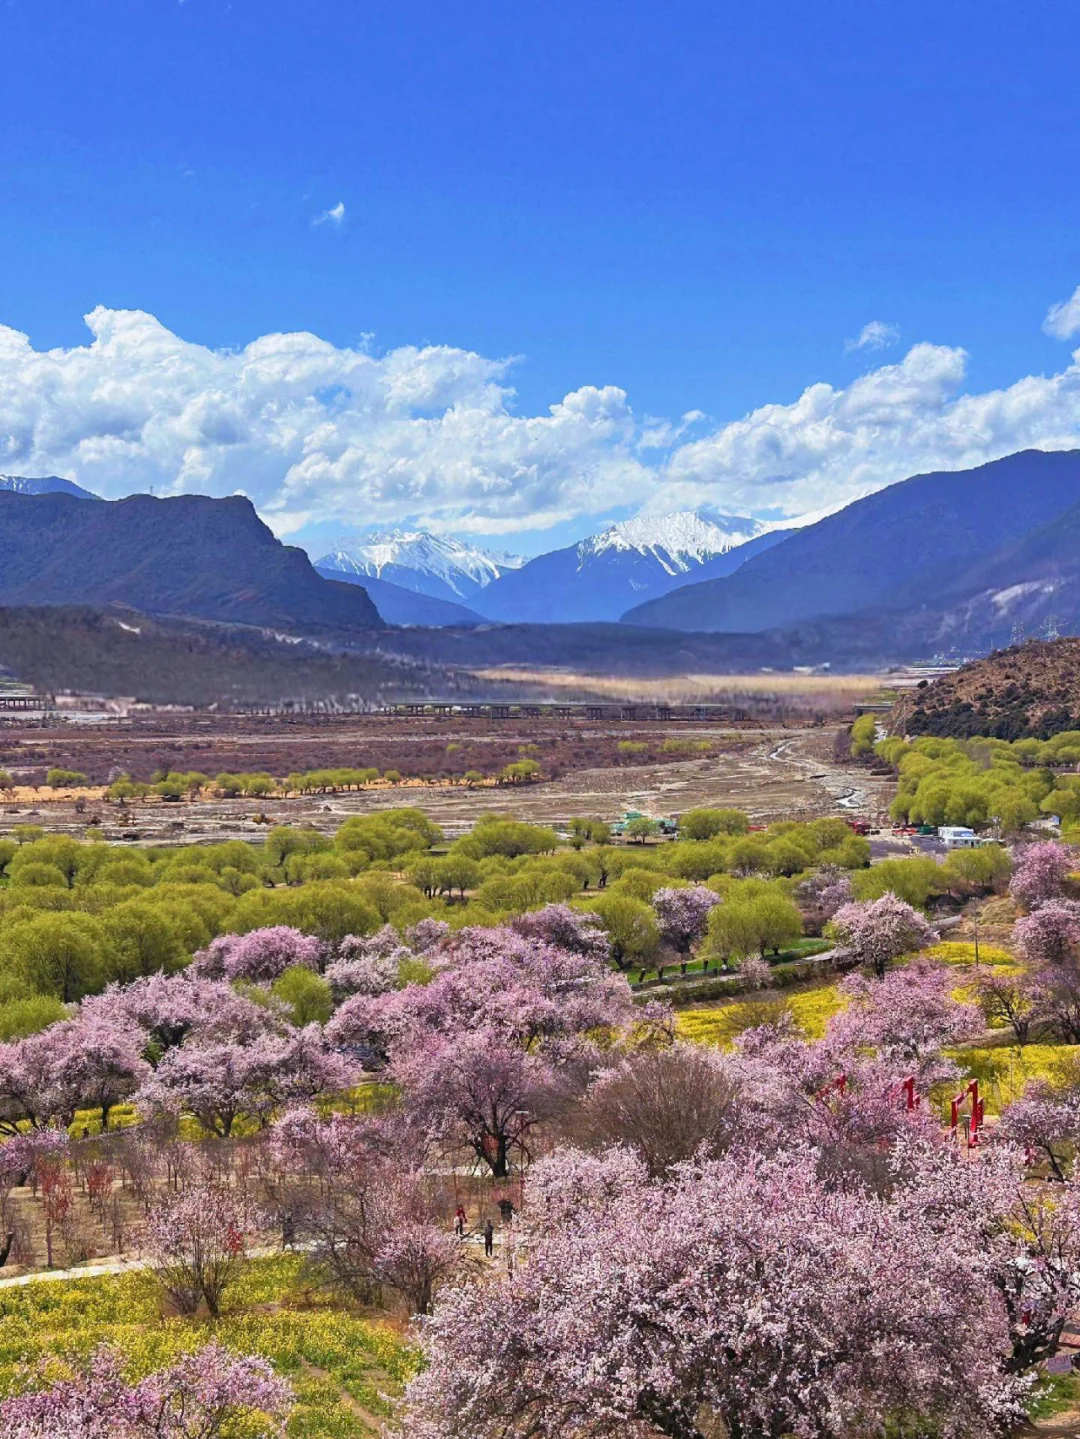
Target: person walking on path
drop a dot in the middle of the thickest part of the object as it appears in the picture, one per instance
(459, 1221)
(489, 1239)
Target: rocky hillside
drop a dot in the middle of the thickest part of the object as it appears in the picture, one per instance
(1029, 691)
(190, 555)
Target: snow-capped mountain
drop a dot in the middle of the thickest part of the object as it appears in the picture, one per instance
(642, 558)
(436, 565)
(44, 485)
(677, 541)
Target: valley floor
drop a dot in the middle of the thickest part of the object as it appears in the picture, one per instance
(769, 772)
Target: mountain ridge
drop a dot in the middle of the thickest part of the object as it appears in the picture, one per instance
(400, 606)
(185, 555)
(438, 565)
(888, 550)
(593, 580)
(44, 485)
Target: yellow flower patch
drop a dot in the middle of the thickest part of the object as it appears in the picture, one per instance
(811, 1010)
(344, 1368)
(955, 951)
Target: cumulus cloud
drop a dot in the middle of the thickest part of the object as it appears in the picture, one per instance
(834, 445)
(315, 432)
(311, 431)
(1063, 319)
(876, 335)
(333, 216)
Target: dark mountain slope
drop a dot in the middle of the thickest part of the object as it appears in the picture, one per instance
(720, 566)
(1025, 587)
(401, 606)
(168, 661)
(902, 545)
(191, 555)
(613, 649)
(1046, 559)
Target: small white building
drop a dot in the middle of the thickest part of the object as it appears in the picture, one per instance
(958, 836)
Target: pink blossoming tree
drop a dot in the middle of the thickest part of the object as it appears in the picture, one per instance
(196, 1244)
(480, 1091)
(1050, 934)
(1040, 873)
(745, 1297)
(908, 1016)
(201, 1396)
(879, 931)
(261, 955)
(681, 915)
(370, 1222)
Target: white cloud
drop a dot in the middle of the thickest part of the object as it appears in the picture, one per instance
(333, 216)
(834, 445)
(313, 432)
(1063, 319)
(876, 335)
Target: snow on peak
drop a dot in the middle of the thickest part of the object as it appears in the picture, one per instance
(41, 485)
(441, 556)
(678, 540)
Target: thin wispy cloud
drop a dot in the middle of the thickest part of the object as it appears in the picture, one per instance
(1063, 319)
(877, 335)
(334, 216)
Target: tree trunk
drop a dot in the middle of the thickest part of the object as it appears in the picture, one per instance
(500, 1168)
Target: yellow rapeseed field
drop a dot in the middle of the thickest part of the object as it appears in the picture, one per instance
(344, 1368)
(811, 1010)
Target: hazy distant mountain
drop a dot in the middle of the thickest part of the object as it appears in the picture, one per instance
(399, 606)
(190, 555)
(638, 559)
(44, 485)
(437, 565)
(906, 547)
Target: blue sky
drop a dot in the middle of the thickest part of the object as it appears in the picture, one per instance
(697, 205)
